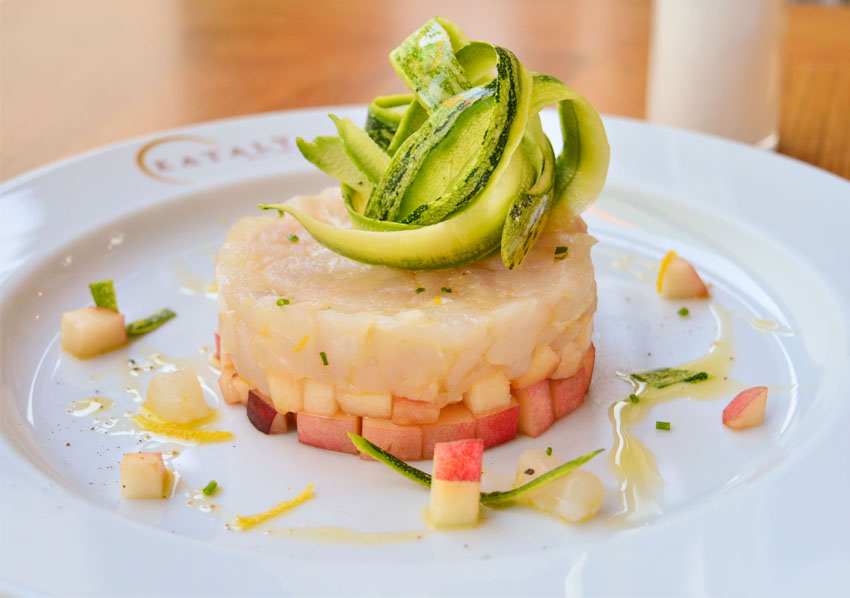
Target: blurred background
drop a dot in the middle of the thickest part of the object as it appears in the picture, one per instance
(77, 74)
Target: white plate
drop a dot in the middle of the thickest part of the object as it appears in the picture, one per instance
(757, 512)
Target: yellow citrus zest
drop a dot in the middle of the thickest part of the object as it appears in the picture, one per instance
(181, 431)
(301, 344)
(662, 269)
(241, 524)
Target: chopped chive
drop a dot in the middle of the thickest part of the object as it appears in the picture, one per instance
(209, 489)
(664, 377)
(103, 293)
(445, 289)
(561, 252)
(140, 327)
(662, 425)
(324, 357)
(293, 238)
(420, 290)
(549, 451)
(634, 398)
(283, 301)
(683, 312)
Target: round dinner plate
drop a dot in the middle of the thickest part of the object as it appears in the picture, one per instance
(762, 511)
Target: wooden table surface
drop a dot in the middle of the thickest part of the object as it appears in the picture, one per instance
(76, 74)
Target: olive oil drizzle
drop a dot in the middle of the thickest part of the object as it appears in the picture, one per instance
(633, 463)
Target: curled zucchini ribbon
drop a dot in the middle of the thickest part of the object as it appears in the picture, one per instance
(460, 168)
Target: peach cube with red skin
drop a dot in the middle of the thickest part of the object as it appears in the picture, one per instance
(263, 415)
(747, 409)
(567, 394)
(455, 423)
(498, 426)
(536, 412)
(143, 475)
(456, 483)
(405, 442)
(677, 279)
(329, 432)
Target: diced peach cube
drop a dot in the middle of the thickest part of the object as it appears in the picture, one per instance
(319, 398)
(536, 413)
(544, 361)
(285, 392)
(366, 404)
(328, 432)
(489, 393)
(567, 394)
(405, 442)
(225, 383)
(456, 483)
(177, 397)
(747, 409)
(498, 426)
(455, 423)
(92, 330)
(143, 475)
(263, 415)
(677, 279)
(408, 411)
(588, 362)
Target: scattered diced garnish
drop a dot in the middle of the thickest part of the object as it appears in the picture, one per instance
(677, 279)
(456, 483)
(140, 327)
(663, 377)
(103, 293)
(634, 398)
(92, 330)
(662, 425)
(561, 252)
(747, 409)
(549, 450)
(283, 301)
(574, 497)
(210, 488)
(420, 290)
(241, 524)
(143, 475)
(292, 237)
(324, 357)
(445, 289)
(177, 397)
(683, 311)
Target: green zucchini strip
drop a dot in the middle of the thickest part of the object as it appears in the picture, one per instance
(583, 162)
(367, 155)
(427, 64)
(384, 116)
(487, 498)
(103, 294)
(328, 155)
(149, 324)
(379, 454)
(509, 496)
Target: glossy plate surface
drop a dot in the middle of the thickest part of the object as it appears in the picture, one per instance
(763, 511)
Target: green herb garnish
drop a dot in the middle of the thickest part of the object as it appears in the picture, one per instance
(684, 311)
(662, 425)
(420, 290)
(140, 327)
(663, 377)
(210, 488)
(634, 398)
(283, 301)
(324, 357)
(445, 289)
(561, 252)
(549, 451)
(293, 238)
(103, 293)
(486, 498)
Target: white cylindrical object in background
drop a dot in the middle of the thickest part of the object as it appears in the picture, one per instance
(715, 66)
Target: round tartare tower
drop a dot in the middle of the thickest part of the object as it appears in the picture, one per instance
(405, 358)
